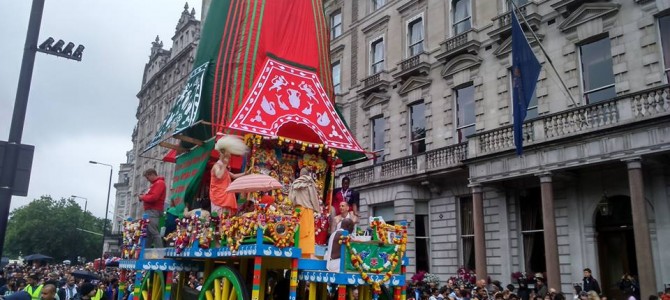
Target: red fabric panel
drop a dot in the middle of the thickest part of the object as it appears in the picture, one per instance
(290, 31)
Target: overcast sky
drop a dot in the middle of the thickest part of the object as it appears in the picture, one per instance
(81, 111)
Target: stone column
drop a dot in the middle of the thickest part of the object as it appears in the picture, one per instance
(480, 241)
(549, 225)
(645, 263)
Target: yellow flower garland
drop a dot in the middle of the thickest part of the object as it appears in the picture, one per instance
(363, 269)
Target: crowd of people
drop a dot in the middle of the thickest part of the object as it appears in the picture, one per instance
(57, 282)
(536, 289)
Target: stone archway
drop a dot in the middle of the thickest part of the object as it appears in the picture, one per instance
(616, 243)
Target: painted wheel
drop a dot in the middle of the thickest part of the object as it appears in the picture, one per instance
(152, 287)
(224, 283)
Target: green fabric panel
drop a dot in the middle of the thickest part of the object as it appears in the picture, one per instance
(208, 49)
(372, 254)
(187, 176)
(348, 157)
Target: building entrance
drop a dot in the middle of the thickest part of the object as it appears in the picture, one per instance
(616, 244)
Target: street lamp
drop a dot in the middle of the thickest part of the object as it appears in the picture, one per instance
(109, 189)
(85, 201)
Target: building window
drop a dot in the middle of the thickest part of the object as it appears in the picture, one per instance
(462, 16)
(597, 74)
(467, 232)
(530, 206)
(377, 56)
(386, 212)
(415, 31)
(337, 79)
(336, 24)
(422, 236)
(377, 4)
(465, 112)
(417, 121)
(531, 112)
(664, 30)
(378, 127)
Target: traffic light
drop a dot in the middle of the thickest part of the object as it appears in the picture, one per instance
(57, 49)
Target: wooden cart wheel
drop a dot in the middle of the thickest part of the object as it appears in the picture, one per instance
(152, 287)
(225, 283)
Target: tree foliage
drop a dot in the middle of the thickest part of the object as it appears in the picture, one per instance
(49, 227)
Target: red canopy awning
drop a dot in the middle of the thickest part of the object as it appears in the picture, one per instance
(291, 99)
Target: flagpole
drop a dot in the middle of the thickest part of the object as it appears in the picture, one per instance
(551, 63)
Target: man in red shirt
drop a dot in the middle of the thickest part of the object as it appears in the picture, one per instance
(153, 202)
(345, 194)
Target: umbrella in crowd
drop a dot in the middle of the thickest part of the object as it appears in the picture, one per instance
(83, 274)
(37, 256)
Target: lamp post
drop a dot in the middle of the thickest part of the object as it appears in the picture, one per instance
(12, 182)
(104, 222)
(85, 201)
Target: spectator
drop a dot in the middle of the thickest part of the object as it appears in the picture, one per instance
(69, 290)
(86, 291)
(590, 283)
(666, 295)
(592, 295)
(33, 288)
(8, 288)
(153, 202)
(48, 292)
(540, 286)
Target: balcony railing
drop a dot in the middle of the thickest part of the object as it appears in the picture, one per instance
(619, 111)
(375, 82)
(503, 22)
(465, 42)
(406, 167)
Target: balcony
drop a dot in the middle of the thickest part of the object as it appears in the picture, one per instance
(410, 167)
(415, 65)
(502, 24)
(598, 117)
(466, 42)
(376, 83)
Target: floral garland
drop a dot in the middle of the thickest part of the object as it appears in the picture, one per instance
(383, 229)
(274, 217)
(234, 230)
(132, 232)
(391, 263)
(321, 221)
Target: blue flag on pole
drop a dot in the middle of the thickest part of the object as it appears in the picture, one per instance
(525, 70)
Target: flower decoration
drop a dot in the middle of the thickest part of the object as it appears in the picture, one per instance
(387, 268)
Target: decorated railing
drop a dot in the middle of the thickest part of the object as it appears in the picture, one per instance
(619, 111)
(398, 167)
(372, 80)
(460, 40)
(411, 62)
(503, 138)
(446, 157)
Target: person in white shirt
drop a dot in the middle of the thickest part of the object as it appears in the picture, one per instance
(344, 214)
(334, 247)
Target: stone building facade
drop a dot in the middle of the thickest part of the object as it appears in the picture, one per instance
(426, 85)
(123, 195)
(164, 76)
